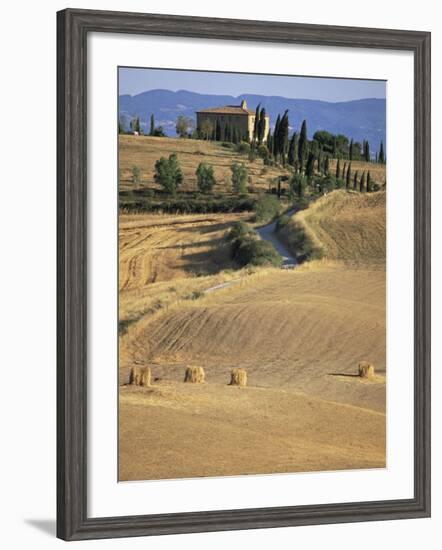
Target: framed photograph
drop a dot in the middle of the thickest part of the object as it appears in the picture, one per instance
(243, 274)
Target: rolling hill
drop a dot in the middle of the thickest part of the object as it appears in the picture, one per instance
(299, 334)
(358, 119)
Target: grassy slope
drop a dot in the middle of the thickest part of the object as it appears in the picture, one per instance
(144, 151)
(345, 226)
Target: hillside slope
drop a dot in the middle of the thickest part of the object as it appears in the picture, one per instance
(299, 333)
(345, 226)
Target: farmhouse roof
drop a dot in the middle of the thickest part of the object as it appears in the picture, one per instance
(229, 109)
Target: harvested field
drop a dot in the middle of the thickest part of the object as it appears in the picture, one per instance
(192, 430)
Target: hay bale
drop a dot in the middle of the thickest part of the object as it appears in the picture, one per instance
(238, 377)
(194, 375)
(140, 376)
(135, 376)
(365, 369)
(146, 376)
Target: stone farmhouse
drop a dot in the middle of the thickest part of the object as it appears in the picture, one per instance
(230, 118)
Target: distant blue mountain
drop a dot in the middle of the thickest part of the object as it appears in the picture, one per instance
(359, 119)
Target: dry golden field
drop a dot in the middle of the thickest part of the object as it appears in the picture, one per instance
(144, 151)
(299, 334)
(347, 226)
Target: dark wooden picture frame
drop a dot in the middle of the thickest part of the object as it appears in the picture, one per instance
(73, 27)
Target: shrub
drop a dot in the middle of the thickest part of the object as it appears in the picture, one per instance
(136, 175)
(168, 173)
(239, 230)
(300, 242)
(263, 152)
(205, 177)
(282, 221)
(259, 253)
(267, 206)
(298, 184)
(252, 155)
(239, 177)
(158, 132)
(243, 148)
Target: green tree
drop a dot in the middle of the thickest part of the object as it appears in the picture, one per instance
(348, 177)
(302, 144)
(159, 132)
(256, 124)
(261, 126)
(276, 136)
(292, 150)
(205, 177)
(366, 151)
(325, 140)
(152, 125)
(362, 183)
(327, 166)
(355, 181)
(338, 169)
(168, 173)
(239, 177)
(381, 155)
(136, 175)
(369, 187)
(206, 129)
(298, 184)
(310, 166)
(350, 150)
(184, 126)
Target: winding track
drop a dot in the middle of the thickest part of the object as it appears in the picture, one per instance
(267, 233)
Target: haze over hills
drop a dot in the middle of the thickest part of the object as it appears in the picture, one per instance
(358, 119)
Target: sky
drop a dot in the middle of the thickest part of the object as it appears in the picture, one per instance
(133, 81)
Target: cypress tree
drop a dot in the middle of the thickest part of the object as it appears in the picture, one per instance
(310, 166)
(381, 156)
(350, 150)
(338, 169)
(355, 181)
(218, 131)
(261, 126)
(276, 136)
(368, 182)
(152, 125)
(362, 183)
(283, 136)
(256, 123)
(302, 144)
(344, 171)
(270, 143)
(348, 177)
(327, 166)
(366, 151)
(292, 150)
